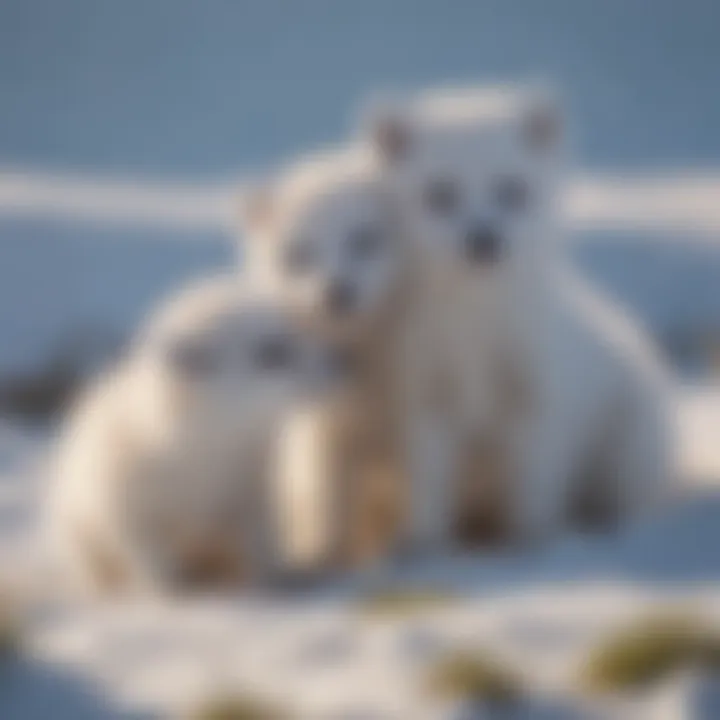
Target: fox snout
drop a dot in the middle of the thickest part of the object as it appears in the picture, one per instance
(483, 244)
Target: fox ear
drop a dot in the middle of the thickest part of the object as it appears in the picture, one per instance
(256, 207)
(389, 131)
(543, 126)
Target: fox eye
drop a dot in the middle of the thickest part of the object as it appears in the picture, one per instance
(274, 354)
(300, 257)
(193, 361)
(441, 196)
(364, 242)
(511, 193)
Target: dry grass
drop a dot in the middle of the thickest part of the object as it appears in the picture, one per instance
(238, 706)
(11, 623)
(38, 395)
(399, 602)
(649, 650)
(475, 677)
(695, 348)
(45, 391)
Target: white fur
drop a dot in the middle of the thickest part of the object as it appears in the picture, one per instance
(591, 388)
(322, 209)
(326, 223)
(601, 412)
(165, 456)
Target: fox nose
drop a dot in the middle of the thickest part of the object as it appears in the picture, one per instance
(340, 297)
(483, 244)
(342, 363)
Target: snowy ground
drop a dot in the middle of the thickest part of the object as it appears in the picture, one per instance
(320, 655)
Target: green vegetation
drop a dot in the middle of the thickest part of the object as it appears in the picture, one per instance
(401, 602)
(650, 650)
(10, 626)
(238, 706)
(475, 677)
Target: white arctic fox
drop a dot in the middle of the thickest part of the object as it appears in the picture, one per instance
(323, 233)
(509, 348)
(162, 479)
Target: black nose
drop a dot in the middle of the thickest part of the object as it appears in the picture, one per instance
(275, 353)
(483, 244)
(340, 297)
(342, 362)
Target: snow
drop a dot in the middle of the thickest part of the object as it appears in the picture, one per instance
(319, 654)
(682, 201)
(83, 252)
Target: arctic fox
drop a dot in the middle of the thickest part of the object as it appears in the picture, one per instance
(510, 349)
(163, 472)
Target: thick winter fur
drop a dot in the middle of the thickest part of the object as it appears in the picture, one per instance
(511, 350)
(162, 479)
(323, 234)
